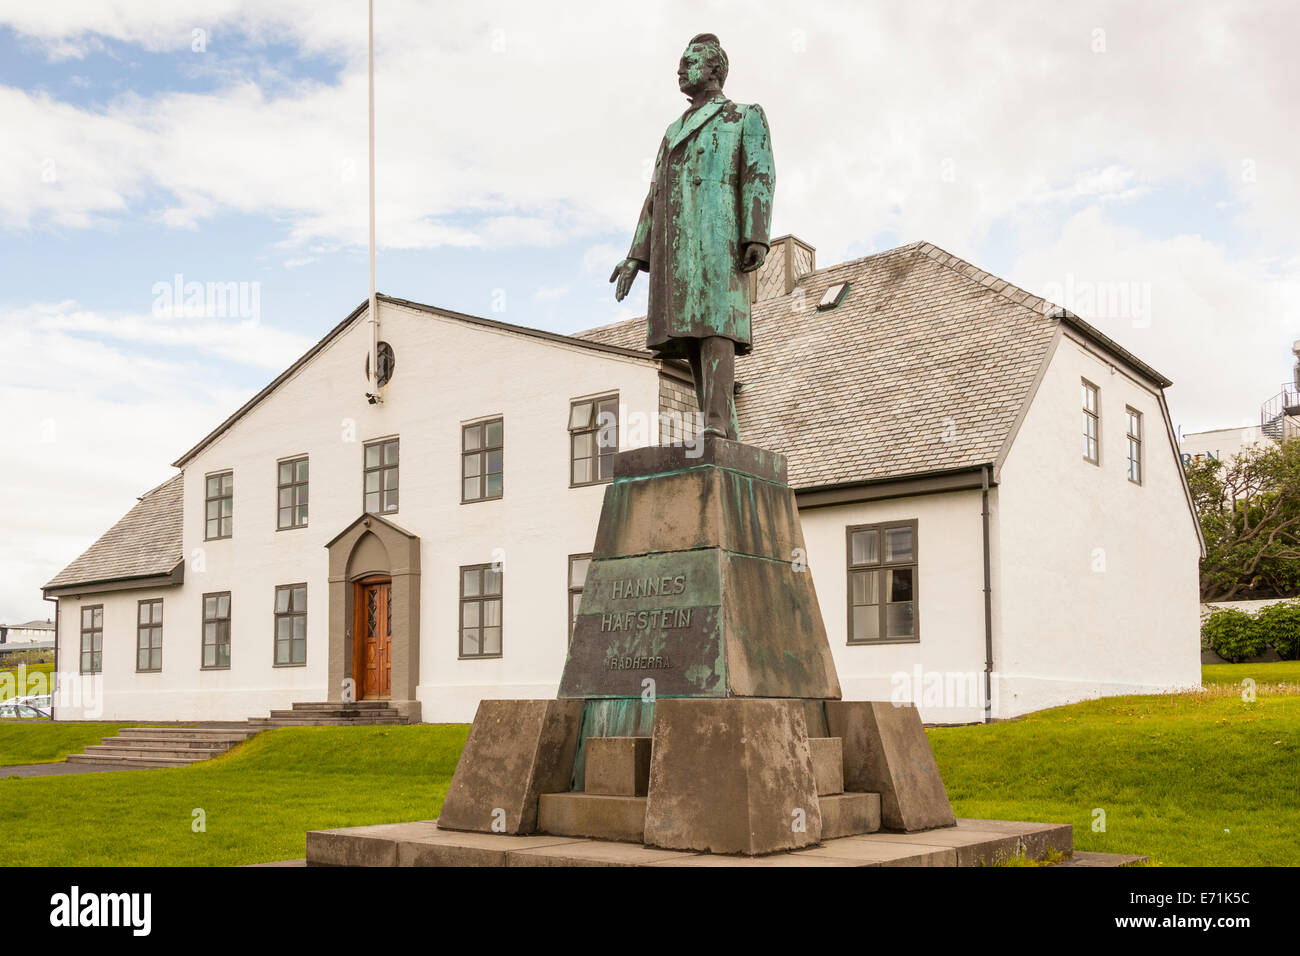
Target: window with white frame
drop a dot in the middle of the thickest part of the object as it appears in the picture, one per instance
(1091, 423)
(1134, 437)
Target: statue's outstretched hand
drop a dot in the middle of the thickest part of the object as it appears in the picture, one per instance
(624, 273)
(755, 253)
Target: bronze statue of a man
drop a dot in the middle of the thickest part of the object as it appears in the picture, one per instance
(704, 226)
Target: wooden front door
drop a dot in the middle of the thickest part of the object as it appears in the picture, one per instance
(374, 640)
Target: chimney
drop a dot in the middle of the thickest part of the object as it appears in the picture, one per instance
(788, 259)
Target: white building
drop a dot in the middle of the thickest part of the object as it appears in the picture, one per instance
(1279, 420)
(29, 632)
(315, 538)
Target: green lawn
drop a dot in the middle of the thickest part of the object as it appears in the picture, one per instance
(258, 800)
(1187, 779)
(44, 741)
(1191, 779)
(1275, 672)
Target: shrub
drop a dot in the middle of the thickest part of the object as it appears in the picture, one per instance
(1233, 635)
(1279, 625)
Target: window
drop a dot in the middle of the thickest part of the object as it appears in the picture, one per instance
(290, 625)
(291, 480)
(92, 639)
(578, 565)
(593, 440)
(1091, 424)
(148, 635)
(882, 583)
(833, 296)
(480, 461)
(480, 611)
(1134, 445)
(216, 630)
(220, 503)
(381, 476)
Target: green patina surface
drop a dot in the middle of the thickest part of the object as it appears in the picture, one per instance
(655, 616)
(711, 195)
(613, 717)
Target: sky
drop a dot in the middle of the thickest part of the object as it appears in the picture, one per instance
(1133, 162)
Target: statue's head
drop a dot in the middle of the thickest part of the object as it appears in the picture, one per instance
(704, 64)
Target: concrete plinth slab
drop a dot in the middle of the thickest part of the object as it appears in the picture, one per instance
(969, 843)
(595, 853)
(979, 844)
(866, 852)
(359, 846)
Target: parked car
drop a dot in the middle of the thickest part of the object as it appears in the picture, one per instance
(13, 710)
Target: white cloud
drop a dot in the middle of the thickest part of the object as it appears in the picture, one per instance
(491, 131)
(1220, 323)
(90, 426)
(244, 340)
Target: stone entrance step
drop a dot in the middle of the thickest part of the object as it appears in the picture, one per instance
(968, 843)
(161, 746)
(331, 714)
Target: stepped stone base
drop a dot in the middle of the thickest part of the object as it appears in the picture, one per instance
(731, 776)
(828, 764)
(618, 766)
(592, 815)
(849, 814)
(967, 843)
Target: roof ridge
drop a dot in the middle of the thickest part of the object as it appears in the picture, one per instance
(839, 265)
(1008, 290)
(859, 260)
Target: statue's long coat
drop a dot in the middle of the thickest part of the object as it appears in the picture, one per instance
(712, 194)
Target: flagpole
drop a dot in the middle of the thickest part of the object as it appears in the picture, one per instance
(374, 312)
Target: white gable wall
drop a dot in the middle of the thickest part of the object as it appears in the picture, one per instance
(1098, 590)
(1061, 630)
(943, 672)
(447, 372)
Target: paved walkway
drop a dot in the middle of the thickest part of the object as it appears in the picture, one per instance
(55, 769)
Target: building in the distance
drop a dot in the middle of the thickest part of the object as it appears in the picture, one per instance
(987, 485)
(29, 632)
(1279, 420)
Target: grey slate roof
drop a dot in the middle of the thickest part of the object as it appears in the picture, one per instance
(144, 543)
(32, 626)
(923, 367)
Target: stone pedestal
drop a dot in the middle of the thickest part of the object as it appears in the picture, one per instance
(699, 705)
(732, 776)
(699, 584)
